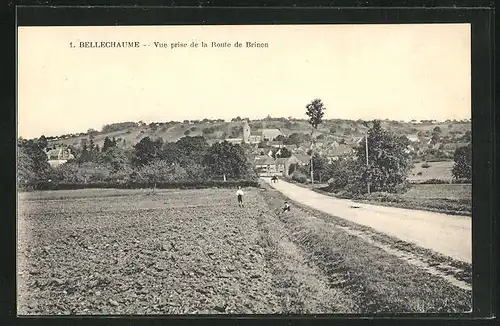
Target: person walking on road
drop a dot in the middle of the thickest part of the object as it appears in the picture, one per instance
(239, 194)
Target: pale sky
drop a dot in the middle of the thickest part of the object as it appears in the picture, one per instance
(398, 72)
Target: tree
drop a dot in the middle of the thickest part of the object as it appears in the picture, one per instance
(92, 132)
(462, 169)
(279, 138)
(226, 160)
(338, 173)
(436, 135)
(153, 126)
(171, 153)
(161, 171)
(315, 112)
(194, 148)
(319, 163)
(388, 162)
(294, 139)
(85, 172)
(435, 138)
(33, 166)
(145, 151)
(236, 131)
(284, 153)
(107, 144)
(26, 174)
(115, 157)
(467, 137)
(333, 130)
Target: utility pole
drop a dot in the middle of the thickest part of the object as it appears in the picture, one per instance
(366, 147)
(312, 155)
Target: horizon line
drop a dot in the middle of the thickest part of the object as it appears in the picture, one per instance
(228, 120)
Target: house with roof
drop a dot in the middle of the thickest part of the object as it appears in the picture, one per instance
(275, 144)
(58, 156)
(337, 152)
(451, 147)
(234, 140)
(268, 166)
(270, 134)
(355, 141)
(301, 159)
(265, 166)
(413, 138)
(255, 137)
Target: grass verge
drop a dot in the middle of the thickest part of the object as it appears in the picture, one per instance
(382, 283)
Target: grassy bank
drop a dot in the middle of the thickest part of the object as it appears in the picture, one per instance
(380, 282)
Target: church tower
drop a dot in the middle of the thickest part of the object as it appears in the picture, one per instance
(246, 132)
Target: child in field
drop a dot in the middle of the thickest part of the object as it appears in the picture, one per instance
(286, 207)
(240, 194)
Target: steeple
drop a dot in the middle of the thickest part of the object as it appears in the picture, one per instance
(246, 131)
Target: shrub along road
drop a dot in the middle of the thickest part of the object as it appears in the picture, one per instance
(445, 234)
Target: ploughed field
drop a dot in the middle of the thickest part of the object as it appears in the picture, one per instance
(105, 251)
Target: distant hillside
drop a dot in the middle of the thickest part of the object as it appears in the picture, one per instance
(129, 133)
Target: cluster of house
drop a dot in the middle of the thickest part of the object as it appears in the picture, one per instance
(419, 144)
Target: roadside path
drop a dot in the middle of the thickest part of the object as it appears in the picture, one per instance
(450, 235)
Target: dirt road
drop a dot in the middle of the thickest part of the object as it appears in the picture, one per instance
(445, 234)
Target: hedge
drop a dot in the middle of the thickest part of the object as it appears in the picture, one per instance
(441, 181)
(142, 185)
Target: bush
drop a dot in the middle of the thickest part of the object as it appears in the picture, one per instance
(143, 185)
(434, 181)
(425, 165)
(299, 177)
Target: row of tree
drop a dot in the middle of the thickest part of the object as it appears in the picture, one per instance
(190, 159)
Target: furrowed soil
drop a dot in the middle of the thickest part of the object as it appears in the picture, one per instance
(196, 252)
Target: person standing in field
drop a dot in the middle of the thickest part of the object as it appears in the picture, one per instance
(239, 194)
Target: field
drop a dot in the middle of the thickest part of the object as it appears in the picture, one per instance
(436, 170)
(196, 252)
(442, 198)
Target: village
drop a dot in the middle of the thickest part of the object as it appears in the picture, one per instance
(278, 151)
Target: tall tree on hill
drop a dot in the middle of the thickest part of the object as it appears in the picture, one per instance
(315, 112)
